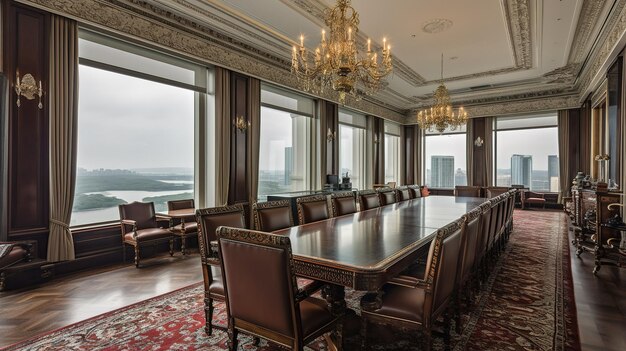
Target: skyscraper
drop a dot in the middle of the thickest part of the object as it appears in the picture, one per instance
(288, 164)
(521, 170)
(442, 171)
(553, 172)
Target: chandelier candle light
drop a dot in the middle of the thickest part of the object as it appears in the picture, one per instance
(337, 62)
(441, 116)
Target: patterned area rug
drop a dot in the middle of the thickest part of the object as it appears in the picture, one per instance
(527, 304)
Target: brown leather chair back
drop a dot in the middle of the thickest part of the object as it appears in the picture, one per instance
(467, 191)
(495, 220)
(180, 204)
(343, 203)
(209, 219)
(416, 191)
(272, 215)
(387, 196)
(493, 191)
(442, 265)
(259, 285)
(471, 236)
(483, 233)
(368, 199)
(312, 208)
(140, 212)
(404, 193)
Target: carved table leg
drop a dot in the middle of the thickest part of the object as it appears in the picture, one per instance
(335, 295)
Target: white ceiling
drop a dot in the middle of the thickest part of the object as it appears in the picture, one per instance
(494, 48)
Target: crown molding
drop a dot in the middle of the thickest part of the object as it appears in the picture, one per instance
(587, 20)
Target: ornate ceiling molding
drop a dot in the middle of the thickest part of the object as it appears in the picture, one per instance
(165, 29)
(550, 103)
(587, 20)
(614, 30)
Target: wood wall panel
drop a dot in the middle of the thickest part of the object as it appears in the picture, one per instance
(409, 155)
(26, 50)
(238, 186)
(478, 166)
(379, 150)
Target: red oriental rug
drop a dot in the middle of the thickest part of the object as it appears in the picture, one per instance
(527, 304)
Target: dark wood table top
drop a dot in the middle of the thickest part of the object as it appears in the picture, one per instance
(182, 213)
(359, 250)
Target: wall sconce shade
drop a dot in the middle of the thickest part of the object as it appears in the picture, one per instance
(330, 135)
(479, 142)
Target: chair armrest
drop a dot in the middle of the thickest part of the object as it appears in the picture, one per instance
(162, 219)
(212, 261)
(409, 282)
(308, 290)
(131, 223)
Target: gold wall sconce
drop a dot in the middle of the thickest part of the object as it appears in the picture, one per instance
(479, 142)
(27, 87)
(241, 124)
(330, 135)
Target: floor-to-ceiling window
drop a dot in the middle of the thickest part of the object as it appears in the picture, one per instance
(137, 113)
(445, 159)
(352, 132)
(287, 139)
(526, 152)
(392, 152)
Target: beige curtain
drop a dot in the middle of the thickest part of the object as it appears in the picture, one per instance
(222, 135)
(469, 147)
(63, 115)
(403, 165)
(488, 149)
(369, 152)
(254, 137)
(564, 150)
(323, 145)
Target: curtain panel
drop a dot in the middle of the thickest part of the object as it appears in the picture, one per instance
(488, 150)
(63, 137)
(469, 151)
(254, 138)
(222, 135)
(418, 136)
(403, 165)
(564, 150)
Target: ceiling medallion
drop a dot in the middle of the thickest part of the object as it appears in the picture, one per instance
(337, 63)
(437, 25)
(441, 116)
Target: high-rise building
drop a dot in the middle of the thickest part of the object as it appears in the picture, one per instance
(442, 171)
(288, 164)
(553, 172)
(460, 177)
(521, 170)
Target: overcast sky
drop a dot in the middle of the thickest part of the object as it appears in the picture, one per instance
(126, 122)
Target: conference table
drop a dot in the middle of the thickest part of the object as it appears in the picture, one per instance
(365, 249)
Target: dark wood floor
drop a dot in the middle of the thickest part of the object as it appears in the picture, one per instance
(600, 304)
(600, 300)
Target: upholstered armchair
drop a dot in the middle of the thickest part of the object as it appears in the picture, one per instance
(493, 191)
(467, 191)
(312, 208)
(387, 196)
(186, 226)
(404, 193)
(343, 203)
(272, 215)
(416, 302)
(531, 197)
(417, 190)
(262, 296)
(368, 199)
(209, 219)
(140, 228)
(12, 253)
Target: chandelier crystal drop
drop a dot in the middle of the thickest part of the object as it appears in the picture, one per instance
(337, 63)
(441, 116)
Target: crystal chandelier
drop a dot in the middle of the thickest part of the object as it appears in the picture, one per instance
(441, 116)
(337, 62)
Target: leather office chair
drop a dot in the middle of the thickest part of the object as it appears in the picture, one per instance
(272, 215)
(187, 226)
(483, 239)
(343, 203)
(209, 219)
(531, 197)
(262, 297)
(404, 193)
(139, 228)
(493, 191)
(467, 191)
(12, 253)
(312, 208)
(368, 199)
(417, 190)
(415, 303)
(387, 196)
